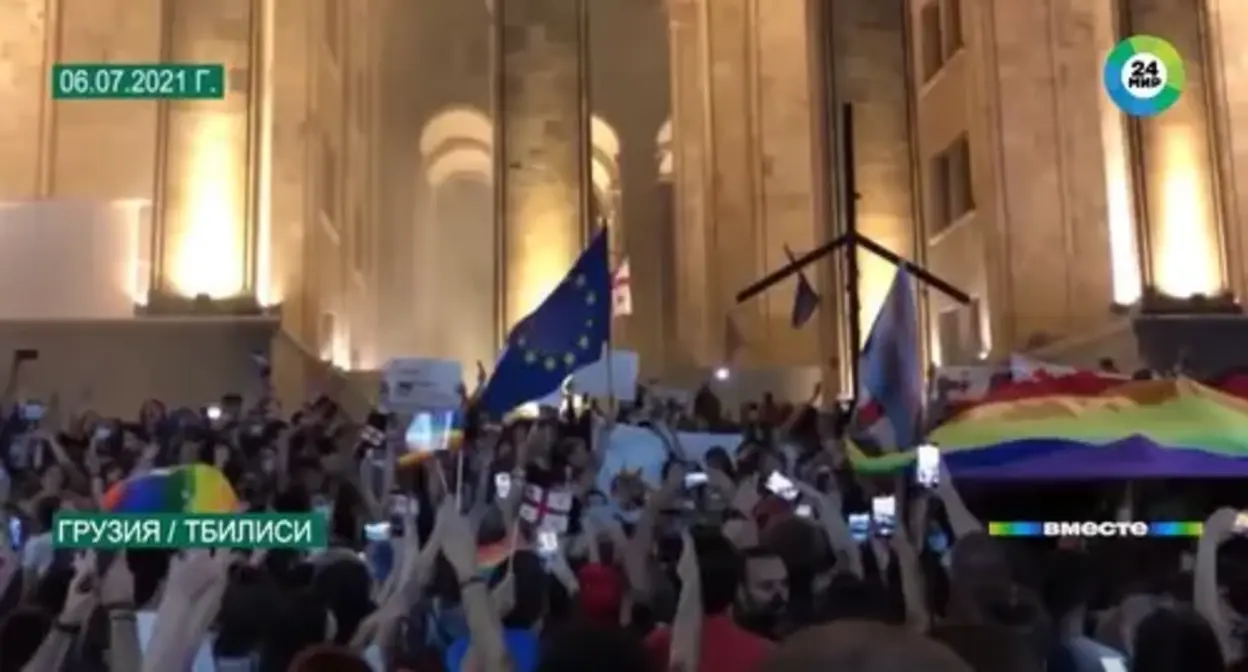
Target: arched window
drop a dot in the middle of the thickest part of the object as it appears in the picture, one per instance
(457, 142)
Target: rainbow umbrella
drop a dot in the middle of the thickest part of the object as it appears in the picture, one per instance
(193, 488)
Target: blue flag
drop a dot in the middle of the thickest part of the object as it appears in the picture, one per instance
(805, 301)
(565, 333)
(890, 385)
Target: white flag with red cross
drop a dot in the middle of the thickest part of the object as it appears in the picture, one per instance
(546, 508)
(622, 290)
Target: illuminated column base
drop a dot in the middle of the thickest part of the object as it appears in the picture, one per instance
(203, 195)
(542, 151)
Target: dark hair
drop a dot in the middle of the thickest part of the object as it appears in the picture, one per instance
(583, 646)
(328, 659)
(851, 598)
(45, 511)
(249, 605)
(988, 648)
(53, 587)
(345, 586)
(1176, 638)
(21, 633)
(717, 458)
(149, 568)
(720, 568)
(300, 624)
(1069, 583)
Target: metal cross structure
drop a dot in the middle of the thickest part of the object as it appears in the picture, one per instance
(848, 243)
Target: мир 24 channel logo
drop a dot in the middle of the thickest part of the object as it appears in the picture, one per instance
(1144, 75)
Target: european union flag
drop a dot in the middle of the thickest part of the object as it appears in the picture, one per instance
(565, 333)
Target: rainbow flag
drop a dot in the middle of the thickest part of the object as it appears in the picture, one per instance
(431, 432)
(1137, 429)
(193, 488)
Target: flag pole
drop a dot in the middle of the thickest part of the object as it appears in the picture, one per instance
(589, 212)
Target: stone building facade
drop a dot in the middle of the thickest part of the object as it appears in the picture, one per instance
(354, 192)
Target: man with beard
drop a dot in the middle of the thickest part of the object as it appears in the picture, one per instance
(763, 598)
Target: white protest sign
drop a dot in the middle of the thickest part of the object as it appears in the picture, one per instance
(640, 448)
(408, 385)
(615, 375)
(670, 395)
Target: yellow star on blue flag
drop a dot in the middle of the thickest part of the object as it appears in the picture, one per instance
(565, 333)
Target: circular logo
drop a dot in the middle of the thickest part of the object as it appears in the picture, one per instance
(1144, 75)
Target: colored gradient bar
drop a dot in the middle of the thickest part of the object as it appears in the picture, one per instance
(1016, 529)
(1176, 528)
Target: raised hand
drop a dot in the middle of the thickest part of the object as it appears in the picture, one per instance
(117, 587)
(687, 565)
(193, 573)
(458, 540)
(82, 597)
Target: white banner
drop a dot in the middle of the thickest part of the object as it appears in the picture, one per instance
(409, 385)
(641, 448)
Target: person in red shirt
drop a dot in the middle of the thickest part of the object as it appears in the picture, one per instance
(725, 646)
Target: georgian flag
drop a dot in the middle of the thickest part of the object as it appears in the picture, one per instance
(546, 508)
(889, 409)
(622, 290)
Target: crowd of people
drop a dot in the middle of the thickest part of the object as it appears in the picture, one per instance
(753, 556)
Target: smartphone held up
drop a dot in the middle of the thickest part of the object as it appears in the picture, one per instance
(779, 485)
(927, 465)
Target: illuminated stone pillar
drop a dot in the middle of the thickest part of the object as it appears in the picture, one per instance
(543, 154)
(24, 28)
(1121, 218)
(745, 156)
(690, 160)
(735, 244)
(1228, 24)
(105, 151)
(204, 195)
(1184, 232)
(784, 71)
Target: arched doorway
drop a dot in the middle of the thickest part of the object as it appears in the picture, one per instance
(606, 199)
(457, 267)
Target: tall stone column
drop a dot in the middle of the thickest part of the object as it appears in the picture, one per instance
(25, 31)
(744, 138)
(205, 172)
(542, 151)
(690, 160)
(1228, 78)
(785, 121)
(105, 151)
(1184, 223)
(735, 250)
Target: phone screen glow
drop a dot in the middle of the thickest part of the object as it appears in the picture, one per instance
(547, 542)
(884, 514)
(502, 484)
(859, 525)
(927, 465)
